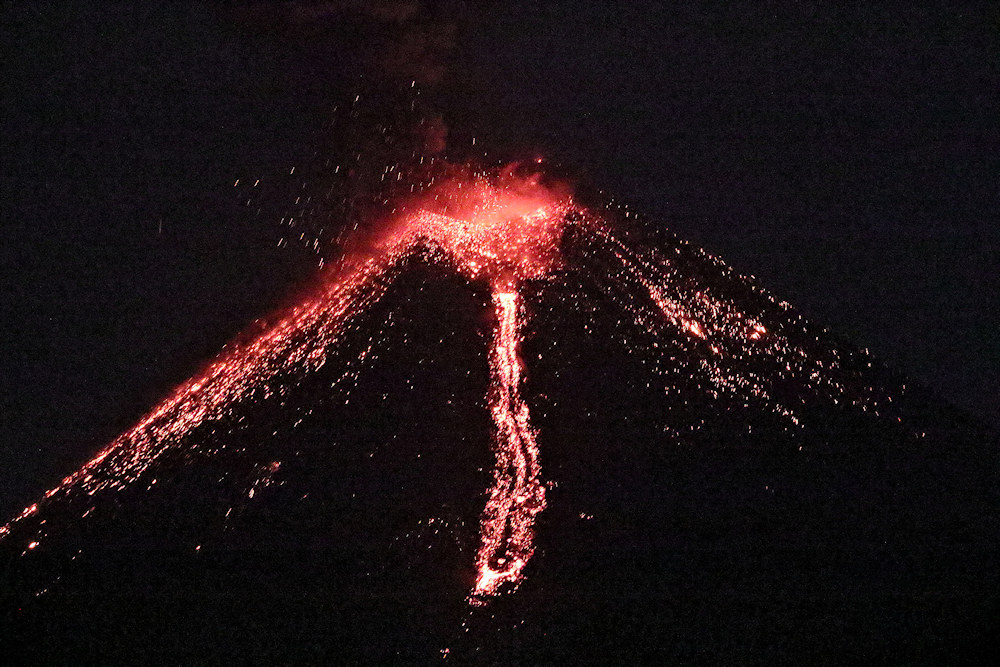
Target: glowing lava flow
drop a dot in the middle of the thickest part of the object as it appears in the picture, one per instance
(506, 533)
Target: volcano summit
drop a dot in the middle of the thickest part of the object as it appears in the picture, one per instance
(509, 428)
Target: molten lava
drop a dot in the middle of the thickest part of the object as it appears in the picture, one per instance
(504, 232)
(506, 534)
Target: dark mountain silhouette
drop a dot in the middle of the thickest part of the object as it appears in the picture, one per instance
(723, 482)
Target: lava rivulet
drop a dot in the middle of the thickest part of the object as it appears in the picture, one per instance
(506, 534)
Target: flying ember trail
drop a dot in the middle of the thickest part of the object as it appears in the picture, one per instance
(508, 230)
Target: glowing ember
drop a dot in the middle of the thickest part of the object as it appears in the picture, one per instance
(505, 233)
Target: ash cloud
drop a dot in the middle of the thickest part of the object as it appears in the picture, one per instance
(378, 67)
(403, 41)
(394, 53)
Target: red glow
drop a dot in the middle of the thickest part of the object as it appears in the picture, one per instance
(504, 230)
(506, 533)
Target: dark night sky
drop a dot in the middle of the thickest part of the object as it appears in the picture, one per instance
(846, 158)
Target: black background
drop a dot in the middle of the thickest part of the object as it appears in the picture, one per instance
(844, 157)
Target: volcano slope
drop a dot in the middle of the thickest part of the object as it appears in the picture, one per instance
(627, 452)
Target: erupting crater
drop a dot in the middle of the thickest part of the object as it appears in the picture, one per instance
(504, 230)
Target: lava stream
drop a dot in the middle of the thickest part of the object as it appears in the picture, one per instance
(506, 530)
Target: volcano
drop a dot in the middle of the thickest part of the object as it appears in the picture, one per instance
(511, 428)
